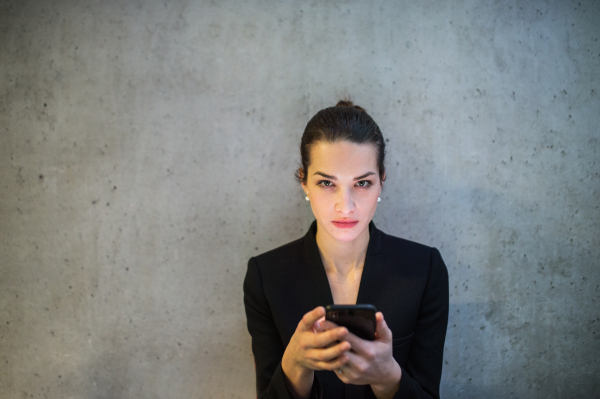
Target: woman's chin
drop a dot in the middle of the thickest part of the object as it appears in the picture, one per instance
(345, 234)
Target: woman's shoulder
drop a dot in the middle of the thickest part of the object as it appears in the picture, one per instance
(392, 243)
(403, 242)
(411, 253)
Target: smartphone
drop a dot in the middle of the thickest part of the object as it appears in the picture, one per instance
(358, 319)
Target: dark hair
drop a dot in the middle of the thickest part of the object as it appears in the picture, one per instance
(344, 122)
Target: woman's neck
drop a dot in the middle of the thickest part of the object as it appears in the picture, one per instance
(342, 259)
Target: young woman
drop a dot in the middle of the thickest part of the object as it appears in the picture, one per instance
(345, 259)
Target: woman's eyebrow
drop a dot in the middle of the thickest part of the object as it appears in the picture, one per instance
(335, 178)
(326, 176)
(363, 176)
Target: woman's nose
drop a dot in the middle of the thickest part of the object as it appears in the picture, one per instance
(344, 201)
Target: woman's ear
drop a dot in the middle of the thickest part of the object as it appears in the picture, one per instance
(301, 177)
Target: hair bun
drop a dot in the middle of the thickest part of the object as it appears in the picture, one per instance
(350, 104)
(344, 103)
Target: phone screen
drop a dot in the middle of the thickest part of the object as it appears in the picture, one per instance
(358, 319)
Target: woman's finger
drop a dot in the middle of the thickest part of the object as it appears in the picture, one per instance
(355, 366)
(309, 319)
(317, 326)
(324, 339)
(328, 354)
(327, 325)
(333, 365)
(382, 330)
(359, 345)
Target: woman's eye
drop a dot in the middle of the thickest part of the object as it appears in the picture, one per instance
(325, 183)
(364, 183)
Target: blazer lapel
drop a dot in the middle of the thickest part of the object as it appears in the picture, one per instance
(321, 292)
(373, 271)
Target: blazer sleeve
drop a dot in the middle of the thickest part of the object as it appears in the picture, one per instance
(423, 372)
(267, 346)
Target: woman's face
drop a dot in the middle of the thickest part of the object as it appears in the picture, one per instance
(343, 183)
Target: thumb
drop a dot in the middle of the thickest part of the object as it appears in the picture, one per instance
(383, 332)
(309, 319)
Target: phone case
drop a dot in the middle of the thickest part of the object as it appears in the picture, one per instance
(358, 319)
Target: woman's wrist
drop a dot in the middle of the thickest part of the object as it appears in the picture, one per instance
(388, 388)
(299, 380)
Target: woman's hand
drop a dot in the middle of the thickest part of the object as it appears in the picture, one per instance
(310, 349)
(372, 362)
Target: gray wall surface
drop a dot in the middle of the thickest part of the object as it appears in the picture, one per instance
(147, 150)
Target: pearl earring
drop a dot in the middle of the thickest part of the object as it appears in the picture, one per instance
(378, 199)
(306, 198)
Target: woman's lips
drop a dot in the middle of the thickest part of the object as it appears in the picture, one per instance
(345, 224)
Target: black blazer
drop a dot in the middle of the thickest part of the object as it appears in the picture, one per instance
(406, 281)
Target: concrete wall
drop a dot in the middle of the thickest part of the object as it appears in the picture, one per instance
(147, 151)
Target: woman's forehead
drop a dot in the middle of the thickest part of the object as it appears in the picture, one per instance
(343, 157)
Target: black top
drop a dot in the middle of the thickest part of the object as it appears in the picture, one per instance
(406, 281)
